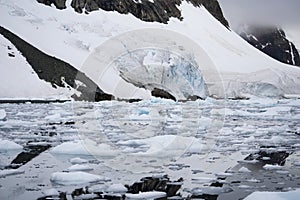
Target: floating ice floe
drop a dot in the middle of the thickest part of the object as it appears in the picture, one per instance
(98, 188)
(79, 167)
(76, 178)
(116, 188)
(2, 114)
(10, 172)
(146, 195)
(54, 117)
(51, 192)
(244, 170)
(272, 167)
(87, 196)
(210, 190)
(291, 195)
(296, 164)
(224, 174)
(164, 145)
(84, 147)
(6, 145)
(203, 179)
(78, 160)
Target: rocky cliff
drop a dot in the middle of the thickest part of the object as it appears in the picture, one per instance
(60, 4)
(273, 42)
(150, 11)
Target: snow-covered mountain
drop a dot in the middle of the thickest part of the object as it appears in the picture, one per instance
(228, 65)
(273, 42)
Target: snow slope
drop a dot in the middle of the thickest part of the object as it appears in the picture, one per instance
(73, 37)
(18, 80)
(292, 33)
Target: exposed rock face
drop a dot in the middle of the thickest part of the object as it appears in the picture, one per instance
(163, 184)
(213, 7)
(56, 71)
(156, 92)
(273, 42)
(60, 4)
(149, 11)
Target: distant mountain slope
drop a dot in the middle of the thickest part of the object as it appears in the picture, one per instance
(273, 42)
(18, 79)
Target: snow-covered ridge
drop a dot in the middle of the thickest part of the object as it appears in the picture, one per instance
(15, 71)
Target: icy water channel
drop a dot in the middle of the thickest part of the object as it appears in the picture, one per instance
(155, 149)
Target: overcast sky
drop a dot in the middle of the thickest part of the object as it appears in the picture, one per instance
(279, 12)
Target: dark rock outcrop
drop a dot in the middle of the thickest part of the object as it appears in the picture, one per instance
(147, 184)
(158, 10)
(156, 92)
(214, 8)
(274, 158)
(59, 4)
(162, 184)
(56, 71)
(273, 42)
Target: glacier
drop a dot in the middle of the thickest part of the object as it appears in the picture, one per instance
(159, 69)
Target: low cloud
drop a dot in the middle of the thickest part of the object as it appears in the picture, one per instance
(263, 12)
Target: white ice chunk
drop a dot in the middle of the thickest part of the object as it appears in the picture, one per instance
(291, 195)
(76, 178)
(244, 170)
(224, 174)
(54, 118)
(98, 188)
(210, 190)
(116, 188)
(146, 195)
(84, 147)
(2, 114)
(203, 179)
(10, 172)
(6, 145)
(79, 167)
(51, 192)
(78, 160)
(163, 145)
(86, 196)
(272, 167)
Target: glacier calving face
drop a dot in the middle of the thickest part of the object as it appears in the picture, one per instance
(152, 68)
